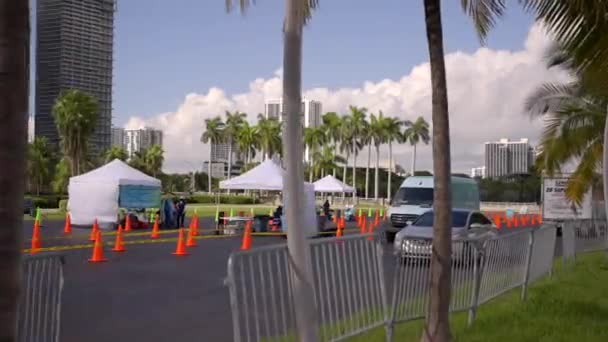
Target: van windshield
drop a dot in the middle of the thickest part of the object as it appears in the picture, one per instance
(414, 196)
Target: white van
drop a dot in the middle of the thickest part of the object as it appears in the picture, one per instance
(415, 197)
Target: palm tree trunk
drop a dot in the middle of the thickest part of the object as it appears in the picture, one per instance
(414, 161)
(301, 275)
(369, 153)
(390, 170)
(376, 184)
(354, 167)
(14, 78)
(209, 172)
(311, 170)
(605, 166)
(437, 325)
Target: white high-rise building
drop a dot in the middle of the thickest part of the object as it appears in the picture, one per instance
(506, 157)
(478, 172)
(136, 140)
(311, 112)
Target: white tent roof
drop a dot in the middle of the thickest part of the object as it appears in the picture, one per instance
(329, 183)
(116, 172)
(266, 176)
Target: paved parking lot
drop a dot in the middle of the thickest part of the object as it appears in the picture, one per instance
(148, 294)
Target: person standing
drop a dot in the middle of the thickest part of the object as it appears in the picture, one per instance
(180, 208)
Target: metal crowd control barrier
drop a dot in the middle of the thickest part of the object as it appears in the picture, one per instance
(348, 281)
(349, 285)
(39, 308)
(350, 291)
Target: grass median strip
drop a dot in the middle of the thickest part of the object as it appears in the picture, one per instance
(570, 306)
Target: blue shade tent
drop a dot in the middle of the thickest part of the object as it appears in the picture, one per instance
(99, 194)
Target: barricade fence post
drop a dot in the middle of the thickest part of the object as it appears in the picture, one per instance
(478, 266)
(524, 286)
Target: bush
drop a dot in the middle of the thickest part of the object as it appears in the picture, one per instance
(63, 205)
(224, 199)
(45, 202)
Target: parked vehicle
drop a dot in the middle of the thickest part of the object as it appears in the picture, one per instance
(415, 197)
(415, 240)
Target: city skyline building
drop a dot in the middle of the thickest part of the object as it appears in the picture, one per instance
(506, 157)
(136, 140)
(478, 172)
(74, 50)
(310, 115)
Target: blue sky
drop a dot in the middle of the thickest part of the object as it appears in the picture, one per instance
(167, 49)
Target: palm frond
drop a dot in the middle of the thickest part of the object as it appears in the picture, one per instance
(484, 14)
(583, 177)
(550, 97)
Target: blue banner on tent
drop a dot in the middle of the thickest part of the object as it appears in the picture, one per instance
(139, 196)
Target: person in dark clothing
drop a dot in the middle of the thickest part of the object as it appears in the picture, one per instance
(326, 209)
(276, 219)
(180, 208)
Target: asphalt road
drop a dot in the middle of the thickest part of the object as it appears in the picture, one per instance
(147, 293)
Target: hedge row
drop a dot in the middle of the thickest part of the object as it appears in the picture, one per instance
(46, 202)
(224, 199)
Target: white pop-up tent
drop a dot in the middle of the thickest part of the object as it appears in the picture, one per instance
(331, 184)
(99, 194)
(266, 176)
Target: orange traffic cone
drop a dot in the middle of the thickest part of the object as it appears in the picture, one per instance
(191, 242)
(98, 250)
(194, 225)
(497, 221)
(180, 250)
(35, 238)
(155, 232)
(119, 245)
(376, 219)
(370, 231)
(67, 228)
(94, 231)
(362, 226)
(128, 223)
(246, 244)
(539, 219)
(339, 232)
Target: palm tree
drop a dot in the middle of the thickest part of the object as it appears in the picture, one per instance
(248, 140)
(269, 135)
(575, 115)
(357, 126)
(213, 134)
(138, 161)
(378, 134)
(154, 159)
(234, 122)
(297, 12)
(392, 134)
(437, 325)
(76, 118)
(115, 152)
(332, 123)
(313, 138)
(62, 176)
(414, 133)
(39, 160)
(326, 160)
(14, 85)
(346, 142)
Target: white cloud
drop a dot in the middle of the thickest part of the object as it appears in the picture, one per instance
(486, 91)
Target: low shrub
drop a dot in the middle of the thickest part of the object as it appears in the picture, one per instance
(224, 199)
(63, 205)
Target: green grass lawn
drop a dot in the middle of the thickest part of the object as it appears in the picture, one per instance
(570, 306)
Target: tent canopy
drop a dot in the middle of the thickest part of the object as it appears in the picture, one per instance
(266, 176)
(96, 194)
(116, 172)
(329, 183)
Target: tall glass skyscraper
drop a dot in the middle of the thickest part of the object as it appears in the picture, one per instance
(74, 48)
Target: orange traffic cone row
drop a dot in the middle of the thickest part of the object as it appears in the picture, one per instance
(119, 245)
(98, 250)
(246, 244)
(370, 231)
(191, 242)
(67, 228)
(36, 244)
(127, 223)
(94, 231)
(180, 250)
(155, 230)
